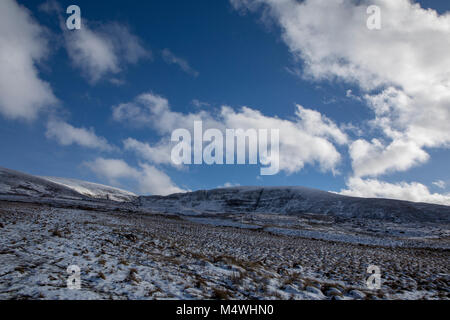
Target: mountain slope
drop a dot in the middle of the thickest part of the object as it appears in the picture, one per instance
(294, 200)
(94, 190)
(18, 183)
(236, 200)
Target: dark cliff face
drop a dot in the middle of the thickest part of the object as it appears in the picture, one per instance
(295, 200)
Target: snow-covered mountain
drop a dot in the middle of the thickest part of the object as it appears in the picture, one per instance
(18, 183)
(234, 200)
(291, 201)
(94, 190)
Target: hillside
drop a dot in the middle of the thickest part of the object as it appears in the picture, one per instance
(22, 184)
(94, 190)
(294, 200)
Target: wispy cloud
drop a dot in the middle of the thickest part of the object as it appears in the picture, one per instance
(440, 184)
(100, 50)
(104, 51)
(197, 103)
(171, 58)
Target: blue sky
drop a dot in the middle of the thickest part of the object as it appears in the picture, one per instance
(233, 53)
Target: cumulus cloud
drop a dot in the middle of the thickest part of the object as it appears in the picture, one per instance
(158, 154)
(401, 71)
(308, 139)
(373, 188)
(373, 158)
(23, 43)
(171, 58)
(149, 109)
(66, 134)
(403, 68)
(300, 142)
(149, 179)
(331, 37)
(103, 50)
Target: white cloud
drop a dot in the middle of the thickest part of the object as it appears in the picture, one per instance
(154, 111)
(372, 188)
(332, 38)
(65, 134)
(99, 50)
(112, 169)
(150, 180)
(197, 103)
(316, 124)
(92, 53)
(149, 109)
(402, 69)
(23, 43)
(158, 154)
(155, 181)
(440, 184)
(228, 185)
(104, 50)
(307, 139)
(373, 158)
(127, 45)
(349, 94)
(171, 58)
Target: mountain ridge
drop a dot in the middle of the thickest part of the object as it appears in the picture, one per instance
(94, 190)
(294, 200)
(282, 200)
(14, 182)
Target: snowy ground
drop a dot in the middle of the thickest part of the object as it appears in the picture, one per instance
(125, 255)
(348, 230)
